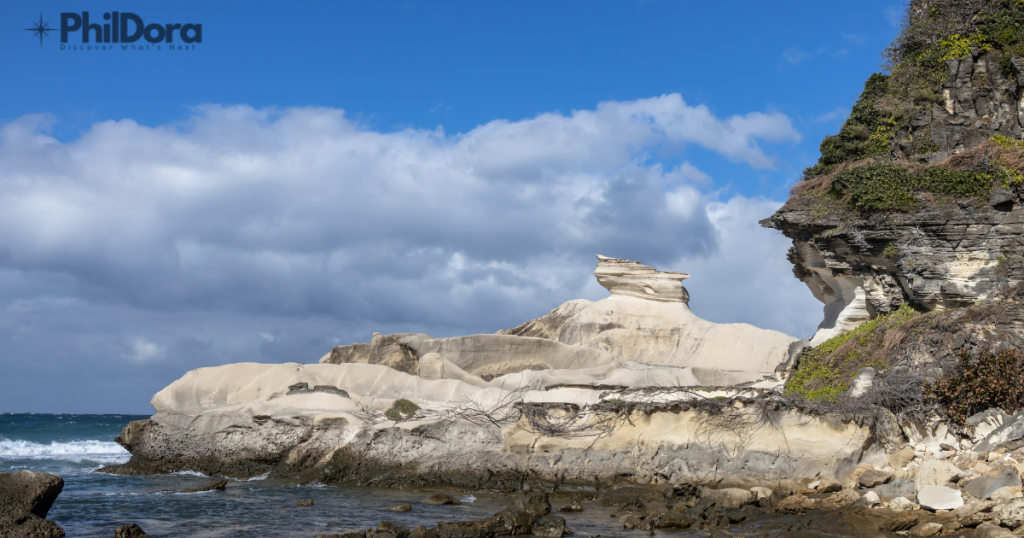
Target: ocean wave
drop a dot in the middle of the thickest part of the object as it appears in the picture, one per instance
(75, 451)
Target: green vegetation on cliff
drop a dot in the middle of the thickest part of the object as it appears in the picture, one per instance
(867, 164)
(825, 372)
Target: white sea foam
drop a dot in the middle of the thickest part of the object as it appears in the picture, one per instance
(260, 477)
(74, 451)
(192, 473)
(468, 499)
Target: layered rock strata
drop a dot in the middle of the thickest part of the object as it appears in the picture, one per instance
(952, 255)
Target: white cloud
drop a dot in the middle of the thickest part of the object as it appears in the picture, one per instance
(795, 55)
(145, 351)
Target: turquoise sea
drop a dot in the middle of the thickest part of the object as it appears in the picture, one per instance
(95, 504)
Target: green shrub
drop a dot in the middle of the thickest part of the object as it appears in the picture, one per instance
(401, 410)
(990, 380)
(888, 186)
(825, 372)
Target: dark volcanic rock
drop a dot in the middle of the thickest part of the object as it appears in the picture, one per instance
(129, 531)
(534, 502)
(28, 526)
(441, 498)
(28, 492)
(394, 529)
(574, 506)
(549, 526)
(218, 485)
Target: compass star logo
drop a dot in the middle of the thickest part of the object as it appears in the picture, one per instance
(41, 29)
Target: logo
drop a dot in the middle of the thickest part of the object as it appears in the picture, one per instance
(117, 30)
(40, 29)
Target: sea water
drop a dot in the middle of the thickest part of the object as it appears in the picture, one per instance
(95, 504)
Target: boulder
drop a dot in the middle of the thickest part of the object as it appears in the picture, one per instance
(129, 531)
(900, 522)
(874, 477)
(728, 497)
(535, 503)
(515, 523)
(984, 423)
(901, 504)
(862, 382)
(28, 526)
(988, 530)
(870, 499)
(441, 498)
(900, 458)
(828, 485)
(984, 486)
(1011, 513)
(1009, 436)
(401, 507)
(939, 498)
(761, 493)
(925, 530)
(896, 488)
(28, 492)
(549, 526)
(936, 473)
(304, 502)
(1004, 495)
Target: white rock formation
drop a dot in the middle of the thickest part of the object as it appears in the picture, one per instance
(643, 334)
(611, 388)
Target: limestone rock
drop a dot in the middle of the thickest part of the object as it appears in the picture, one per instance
(988, 530)
(634, 279)
(896, 488)
(28, 492)
(28, 526)
(984, 423)
(761, 493)
(1004, 495)
(874, 477)
(863, 381)
(870, 499)
(304, 502)
(828, 485)
(901, 458)
(925, 530)
(983, 487)
(728, 497)
(939, 498)
(900, 522)
(574, 506)
(1011, 513)
(936, 473)
(901, 504)
(1009, 436)
(401, 507)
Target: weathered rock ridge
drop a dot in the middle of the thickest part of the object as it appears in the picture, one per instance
(645, 321)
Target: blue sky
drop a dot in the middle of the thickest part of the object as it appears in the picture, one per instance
(319, 171)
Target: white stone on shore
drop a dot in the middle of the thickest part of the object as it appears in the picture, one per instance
(939, 498)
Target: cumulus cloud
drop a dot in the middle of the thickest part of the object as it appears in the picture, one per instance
(254, 234)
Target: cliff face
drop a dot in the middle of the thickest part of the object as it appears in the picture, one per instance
(952, 255)
(981, 97)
